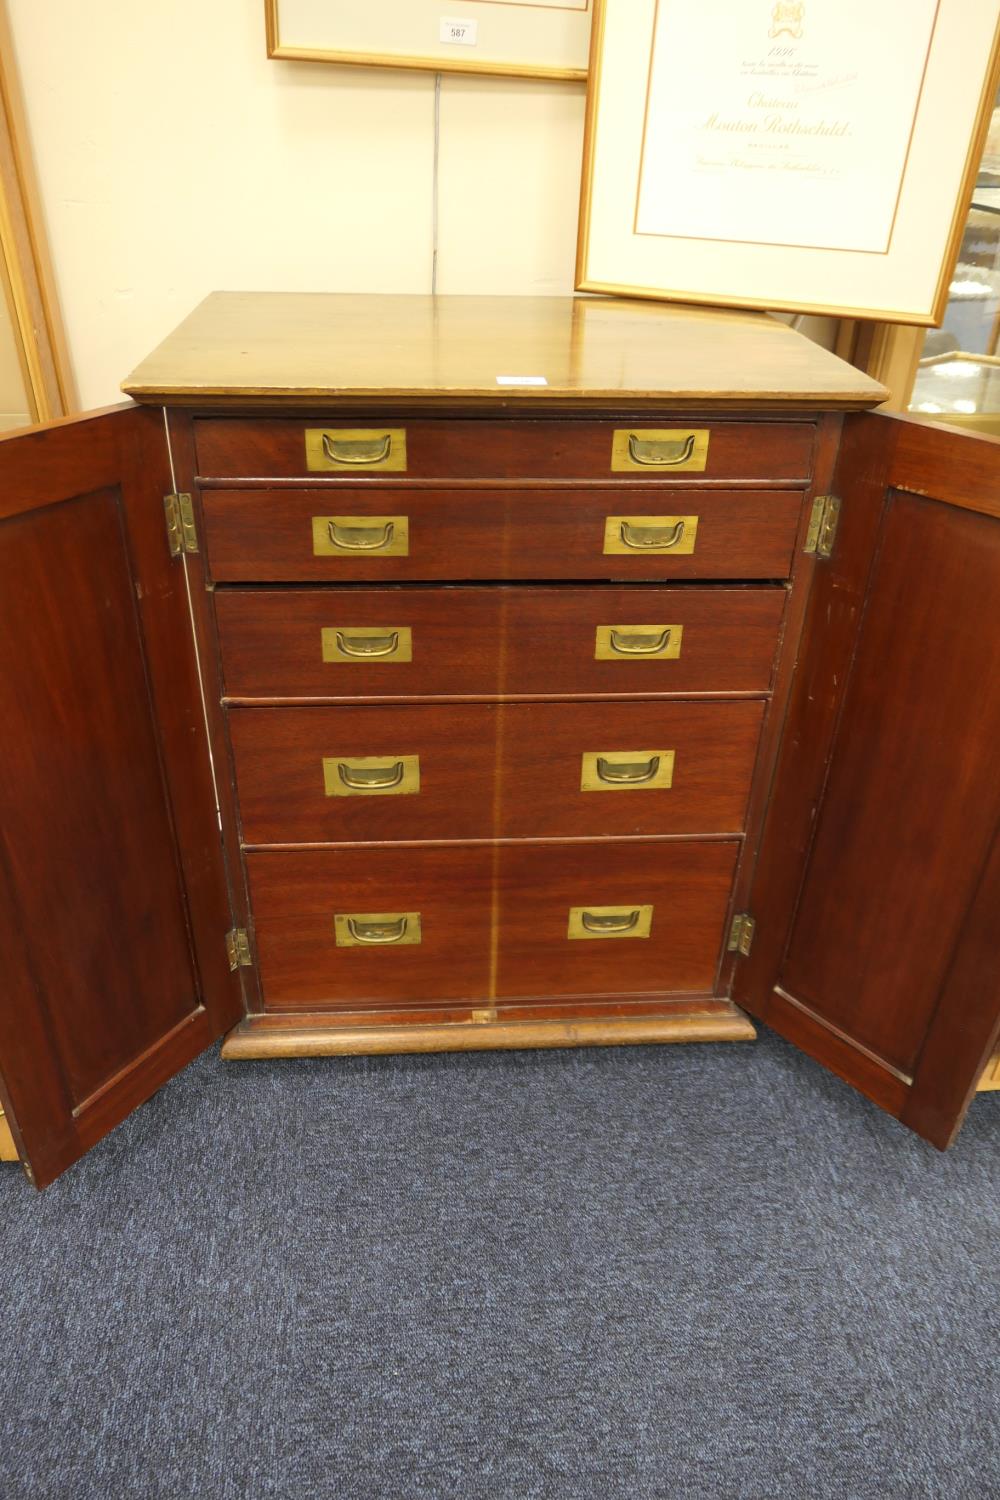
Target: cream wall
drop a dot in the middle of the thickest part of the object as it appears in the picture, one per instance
(175, 159)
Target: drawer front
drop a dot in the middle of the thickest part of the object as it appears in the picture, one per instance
(437, 767)
(611, 918)
(481, 771)
(390, 643)
(585, 769)
(349, 534)
(250, 448)
(417, 926)
(669, 902)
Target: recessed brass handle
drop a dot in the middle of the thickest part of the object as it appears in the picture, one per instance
(660, 537)
(630, 534)
(370, 775)
(337, 448)
(357, 451)
(636, 643)
(361, 538)
(646, 448)
(659, 455)
(374, 779)
(377, 932)
(596, 922)
(627, 770)
(635, 773)
(593, 923)
(377, 929)
(368, 645)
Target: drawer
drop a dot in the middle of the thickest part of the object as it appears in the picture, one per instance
(346, 534)
(354, 928)
(433, 642)
(587, 919)
(254, 448)
(651, 768)
(414, 924)
(481, 771)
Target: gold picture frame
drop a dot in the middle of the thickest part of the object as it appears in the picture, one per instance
(943, 116)
(528, 38)
(31, 330)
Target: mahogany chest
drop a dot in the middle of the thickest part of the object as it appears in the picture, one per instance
(404, 674)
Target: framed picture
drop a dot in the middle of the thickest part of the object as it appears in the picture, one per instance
(36, 382)
(801, 155)
(516, 38)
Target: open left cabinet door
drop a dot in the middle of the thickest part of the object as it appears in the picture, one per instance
(113, 898)
(876, 896)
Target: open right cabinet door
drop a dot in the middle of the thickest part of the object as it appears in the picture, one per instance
(876, 895)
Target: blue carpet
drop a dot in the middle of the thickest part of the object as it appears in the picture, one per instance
(654, 1272)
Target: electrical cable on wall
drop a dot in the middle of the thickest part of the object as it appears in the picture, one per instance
(434, 183)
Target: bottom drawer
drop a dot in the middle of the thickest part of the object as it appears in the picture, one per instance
(358, 928)
(612, 918)
(296, 899)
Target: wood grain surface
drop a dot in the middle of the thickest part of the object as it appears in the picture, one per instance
(492, 771)
(679, 1021)
(497, 642)
(494, 922)
(238, 348)
(112, 896)
(879, 879)
(295, 898)
(266, 535)
(275, 447)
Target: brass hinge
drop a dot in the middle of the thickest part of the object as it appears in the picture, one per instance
(741, 934)
(822, 531)
(238, 949)
(181, 533)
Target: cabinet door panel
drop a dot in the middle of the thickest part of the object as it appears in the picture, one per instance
(880, 859)
(110, 879)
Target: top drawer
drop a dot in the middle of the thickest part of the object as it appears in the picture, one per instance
(248, 448)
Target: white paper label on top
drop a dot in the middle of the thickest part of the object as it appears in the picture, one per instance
(459, 33)
(521, 380)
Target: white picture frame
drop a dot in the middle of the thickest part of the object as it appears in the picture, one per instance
(812, 156)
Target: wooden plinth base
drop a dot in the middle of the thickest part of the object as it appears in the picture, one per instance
(312, 1036)
(8, 1151)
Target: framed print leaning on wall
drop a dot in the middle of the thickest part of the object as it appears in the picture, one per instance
(805, 155)
(519, 38)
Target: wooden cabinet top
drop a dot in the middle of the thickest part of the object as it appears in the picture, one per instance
(241, 349)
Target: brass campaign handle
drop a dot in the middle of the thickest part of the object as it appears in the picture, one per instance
(372, 778)
(655, 453)
(632, 773)
(368, 645)
(624, 923)
(362, 538)
(636, 643)
(378, 933)
(357, 451)
(660, 537)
